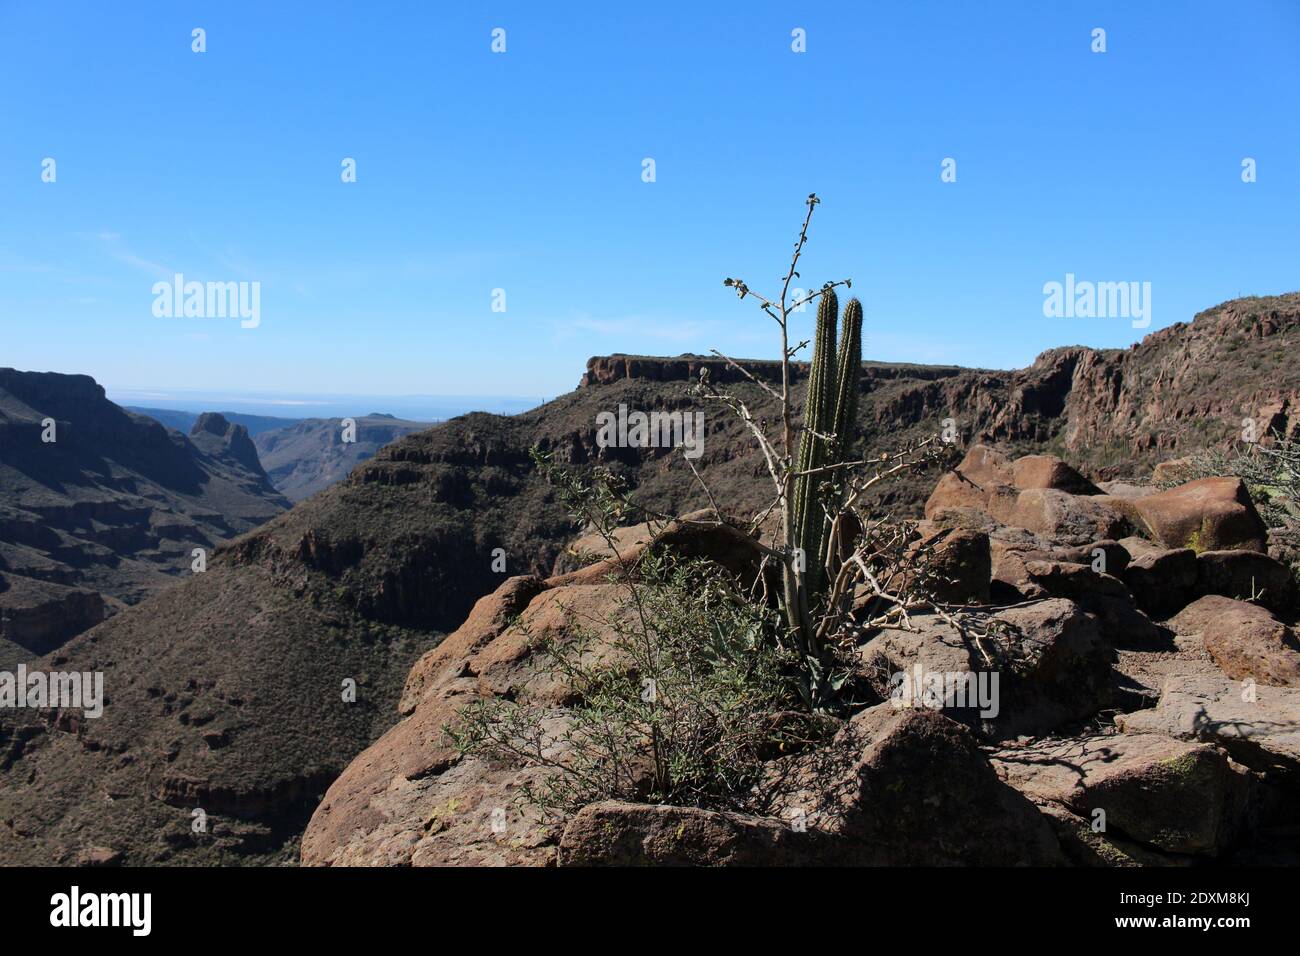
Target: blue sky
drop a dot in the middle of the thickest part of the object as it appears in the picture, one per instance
(522, 171)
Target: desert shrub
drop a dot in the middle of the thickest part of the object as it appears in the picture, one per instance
(679, 696)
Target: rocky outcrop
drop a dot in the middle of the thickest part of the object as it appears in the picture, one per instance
(378, 811)
(38, 616)
(957, 566)
(1162, 580)
(1033, 493)
(215, 435)
(910, 787)
(1247, 575)
(365, 576)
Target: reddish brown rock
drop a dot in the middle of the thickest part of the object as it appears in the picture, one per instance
(909, 787)
(983, 475)
(1137, 546)
(1175, 796)
(1258, 726)
(1063, 669)
(1209, 514)
(1173, 470)
(1162, 581)
(957, 566)
(99, 856)
(489, 617)
(1048, 471)
(1063, 517)
(1245, 640)
(614, 833)
(411, 798)
(933, 646)
(1077, 582)
(1246, 575)
(1104, 557)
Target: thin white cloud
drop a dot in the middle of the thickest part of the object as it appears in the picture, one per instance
(115, 247)
(638, 327)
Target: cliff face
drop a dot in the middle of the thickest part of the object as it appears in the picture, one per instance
(1190, 385)
(216, 436)
(1184, 387)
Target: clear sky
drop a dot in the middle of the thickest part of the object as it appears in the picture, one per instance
(523, 171)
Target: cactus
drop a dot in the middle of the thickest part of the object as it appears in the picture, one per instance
(830, 410)
(848, 378)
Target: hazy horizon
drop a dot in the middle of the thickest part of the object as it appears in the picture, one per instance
(297, 405)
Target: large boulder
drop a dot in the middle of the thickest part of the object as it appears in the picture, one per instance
(1048, 471)
(1038, 492)
(616, 833)
(508, 666)
(909, 787)
(1125, 489)
(1105, 557)
(1245, 640)
(1246, 575)
(957, 566)
(1038, 667)
(1077, 582)
(1258, 725)
(1102, 595)
(591, 548)
(1011, 548)
(488, 618)
(1173, 795)
(1209, 514)
(1136, 545)
(1162, 581)
(983, 475)
(1059, 670)
(1179, 797)
(1063, 517)
(897, 664)
(411, 798)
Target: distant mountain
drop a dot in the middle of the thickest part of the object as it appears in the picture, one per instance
(183, 421)
(310, 455)
(303, 455)
(100, 507)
